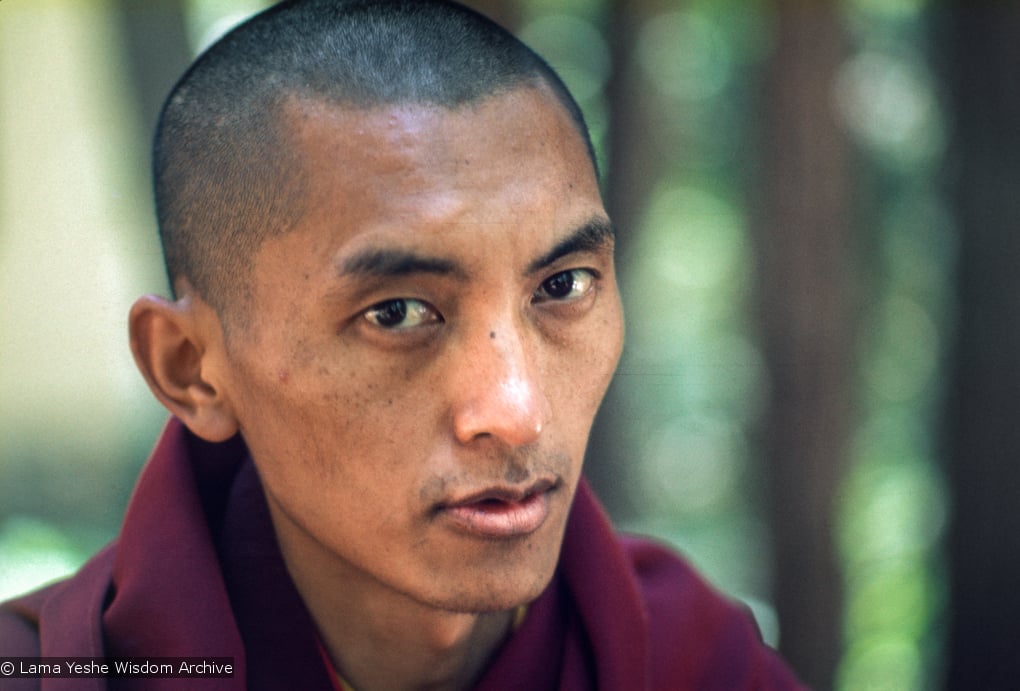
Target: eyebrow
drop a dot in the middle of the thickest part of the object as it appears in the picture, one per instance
(595, 235)
(392, 263)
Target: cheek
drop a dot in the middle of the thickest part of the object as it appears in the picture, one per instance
(580, 376)
(296, 414)
(601, 354)
(332, 414)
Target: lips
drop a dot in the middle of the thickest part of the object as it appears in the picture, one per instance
(501, 512)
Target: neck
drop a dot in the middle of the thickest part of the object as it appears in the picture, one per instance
(415, 650)
(379, 638)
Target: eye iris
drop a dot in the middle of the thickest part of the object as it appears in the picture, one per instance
(560, 285)
(391, 313)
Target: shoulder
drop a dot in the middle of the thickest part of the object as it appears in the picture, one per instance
(19, 624)
(673, 591)
(697, 635)
(66, 613)
(19, 635)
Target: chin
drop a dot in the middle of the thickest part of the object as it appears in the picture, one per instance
(497, 592)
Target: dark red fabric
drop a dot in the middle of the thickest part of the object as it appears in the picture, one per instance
(196, 571)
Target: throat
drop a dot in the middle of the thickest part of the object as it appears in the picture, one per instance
(450, 653)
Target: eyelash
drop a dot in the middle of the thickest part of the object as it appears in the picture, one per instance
(379, 314)
(383, 311)
(580, 279)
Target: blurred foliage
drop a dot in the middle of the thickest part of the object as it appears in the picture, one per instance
(78, 243)
(42, 552)
(895, 502)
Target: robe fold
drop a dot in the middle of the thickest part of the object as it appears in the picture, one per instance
(196, 571)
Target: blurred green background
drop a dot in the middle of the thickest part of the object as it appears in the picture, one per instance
(783, 177)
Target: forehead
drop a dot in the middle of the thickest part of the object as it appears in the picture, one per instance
(430, 163)
(529, 110)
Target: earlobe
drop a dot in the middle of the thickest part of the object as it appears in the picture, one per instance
(171, 344)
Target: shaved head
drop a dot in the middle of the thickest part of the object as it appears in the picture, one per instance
(226, 172)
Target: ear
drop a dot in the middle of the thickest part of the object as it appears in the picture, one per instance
(174, 344)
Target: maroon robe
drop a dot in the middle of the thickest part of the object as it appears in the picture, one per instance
(196, 571)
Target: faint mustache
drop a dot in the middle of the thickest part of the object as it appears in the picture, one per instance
(516, 473)
(514, 469)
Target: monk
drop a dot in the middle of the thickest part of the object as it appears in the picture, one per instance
(394, 315)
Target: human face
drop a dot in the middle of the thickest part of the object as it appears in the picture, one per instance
(429, 347)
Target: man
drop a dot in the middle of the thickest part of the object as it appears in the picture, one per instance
(394, 317)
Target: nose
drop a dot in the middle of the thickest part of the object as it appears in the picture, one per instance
(497, 391)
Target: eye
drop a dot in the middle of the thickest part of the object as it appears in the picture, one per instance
(565, 286)
(401, 313)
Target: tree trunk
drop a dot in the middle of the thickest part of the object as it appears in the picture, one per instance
(806, 321)
(983, 400)
(635, 162)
